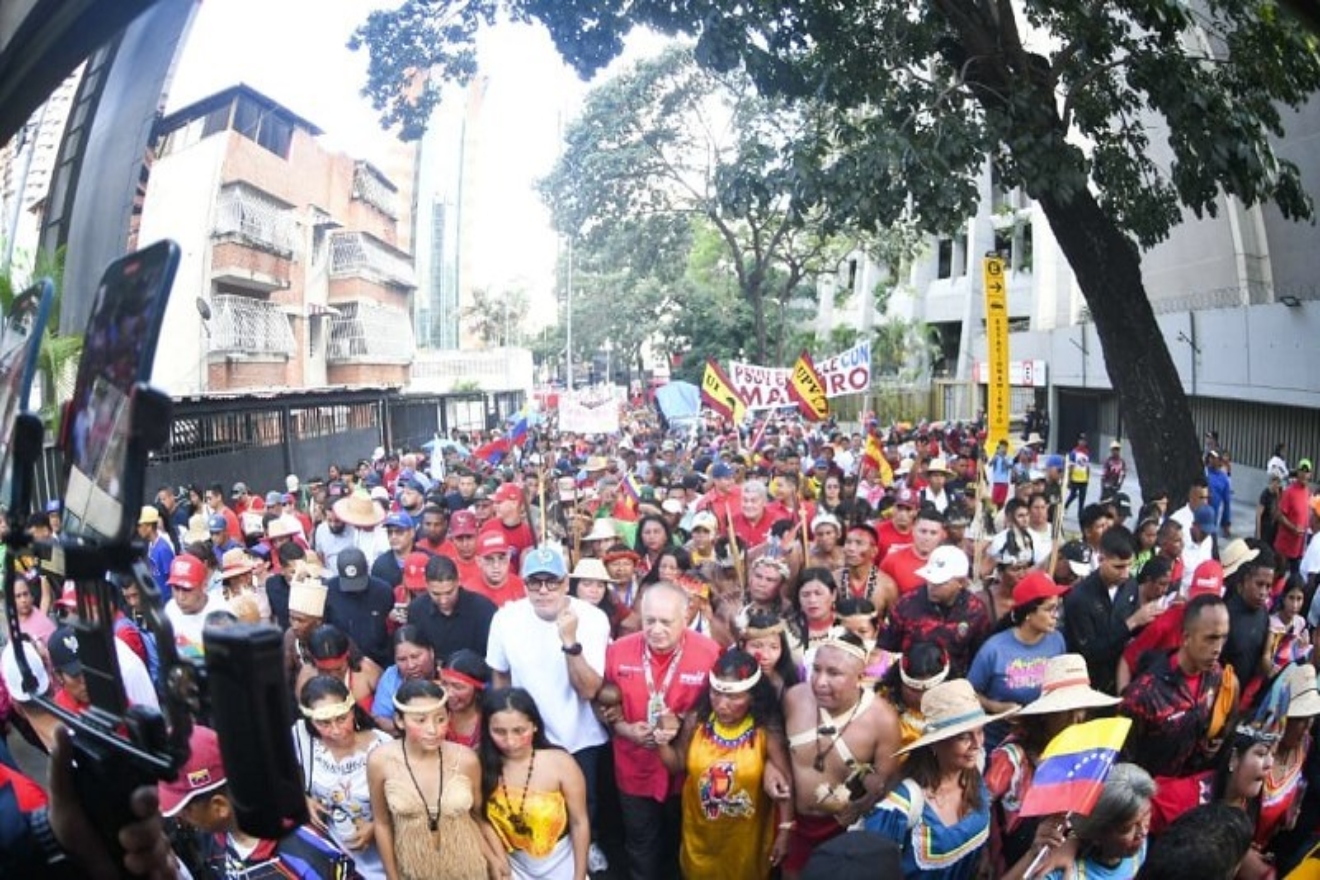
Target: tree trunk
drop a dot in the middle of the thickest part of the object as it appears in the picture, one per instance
(1155, 409)
(757, 297)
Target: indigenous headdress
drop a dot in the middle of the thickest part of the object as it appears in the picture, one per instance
(1265, 726)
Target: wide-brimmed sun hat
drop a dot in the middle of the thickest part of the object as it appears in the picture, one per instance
(1235, 555)
(602, 530)
(951, 709)
(1067, 686)
(590, 569)
(1303, 699)
(360, 511)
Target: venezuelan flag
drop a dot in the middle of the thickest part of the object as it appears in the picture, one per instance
(1074, 766)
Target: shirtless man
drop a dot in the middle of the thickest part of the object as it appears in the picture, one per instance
(842, 740)
(860, 576)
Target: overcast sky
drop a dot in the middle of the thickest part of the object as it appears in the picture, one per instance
(295, 52)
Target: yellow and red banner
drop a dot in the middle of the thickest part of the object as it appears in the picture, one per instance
(719, 394)
(807, 387)
(996, 348)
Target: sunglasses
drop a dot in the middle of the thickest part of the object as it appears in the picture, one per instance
(542, 585)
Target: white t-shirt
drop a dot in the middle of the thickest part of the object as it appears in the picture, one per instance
(529, 650)
(137, 680)
(188, 627)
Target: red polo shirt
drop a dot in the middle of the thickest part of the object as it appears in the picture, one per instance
(639, 771)
(902, 565)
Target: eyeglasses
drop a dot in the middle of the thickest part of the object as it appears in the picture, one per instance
(541, 585)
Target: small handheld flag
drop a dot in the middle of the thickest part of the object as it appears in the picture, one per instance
(1074, 766)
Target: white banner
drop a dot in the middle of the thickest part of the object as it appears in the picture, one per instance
(848, 372)
(589, 413)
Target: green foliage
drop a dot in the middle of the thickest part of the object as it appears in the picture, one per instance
(667, 142)
(59, 354)
(497, 319)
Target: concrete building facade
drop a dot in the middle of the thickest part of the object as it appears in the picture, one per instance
(295, 270)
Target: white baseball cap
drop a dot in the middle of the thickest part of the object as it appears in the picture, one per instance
(946, 563)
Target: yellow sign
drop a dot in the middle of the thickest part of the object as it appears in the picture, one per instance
(806, 386)
(996, 349)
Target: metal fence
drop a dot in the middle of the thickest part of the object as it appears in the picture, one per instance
(256, 217)
(249, 326)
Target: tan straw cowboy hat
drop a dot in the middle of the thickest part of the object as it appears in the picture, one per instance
(360, 511)
(951, 709)
(1303, 700)
(1067, 686)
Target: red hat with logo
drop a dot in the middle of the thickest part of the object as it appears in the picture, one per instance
(187, 572)
(1207, 580)
(204, 772)
(492, 543)
(508, 492)
(463, 524)
(414, 570)
(907, 498)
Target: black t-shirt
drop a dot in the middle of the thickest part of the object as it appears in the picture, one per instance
(1247, 631)
(1269, 503)
(467, 627)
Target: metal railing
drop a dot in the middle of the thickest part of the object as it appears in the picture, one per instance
(245, 325)
(358, 254)
(371, 187)
(370, 332)
(257, 218)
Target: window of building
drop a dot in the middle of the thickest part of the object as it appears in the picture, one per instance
(217, 120)
(944, 269)
(247, 117)
(275, 135)
(1004, 243)
(1023, 248)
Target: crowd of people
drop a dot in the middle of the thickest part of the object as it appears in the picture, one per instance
(790, 651)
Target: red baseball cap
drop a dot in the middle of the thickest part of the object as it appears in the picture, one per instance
(69, 597)
(462, 524)
(1207, 580)
(414, 570)
(508, 492)
(203, 772)
(906, 498)
(492, 543)
(187, 571)
(1036, 585)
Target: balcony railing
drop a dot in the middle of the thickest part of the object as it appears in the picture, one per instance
(243, 325)
(364, 331)
(356, 254)
(370, 186)
(255, 217)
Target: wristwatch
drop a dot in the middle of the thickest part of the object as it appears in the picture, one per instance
(572, 650)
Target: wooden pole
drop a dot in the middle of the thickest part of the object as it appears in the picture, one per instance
(1058, 537)
(540, 486)
(735, 554)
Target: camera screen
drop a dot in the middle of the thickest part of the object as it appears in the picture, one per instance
(117, 353)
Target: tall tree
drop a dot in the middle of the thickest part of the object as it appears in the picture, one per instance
(1062, 95)
(496, 318)
(667, 138)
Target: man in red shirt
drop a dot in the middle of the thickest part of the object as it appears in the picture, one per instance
(895, 533)
(661, 674)
(723, 497)
(497, 582)
(509, 520)
(756, 514)
(433, 536)
(1294, 516)
(899, 569)
(461, 547)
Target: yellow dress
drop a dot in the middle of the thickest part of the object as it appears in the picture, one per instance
(728, 821)
(541, 847)
(453, 850)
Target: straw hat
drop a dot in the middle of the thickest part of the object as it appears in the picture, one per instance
(1235, 555)
(602, 530)
(1034, 439)
(359, 510)
(938, 466)
(950, 709)
(234, 563)
(283, 526)
(596, 463)
(197, 530)
(591, 570)
(1067, 686)
(1304, 701)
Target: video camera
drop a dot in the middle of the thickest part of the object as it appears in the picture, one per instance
(109, 429)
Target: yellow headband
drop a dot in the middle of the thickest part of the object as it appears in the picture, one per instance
(736, 686)
(425, 708)
(753, 632)
(330, 712)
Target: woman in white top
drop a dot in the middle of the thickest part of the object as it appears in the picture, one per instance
(332, 742)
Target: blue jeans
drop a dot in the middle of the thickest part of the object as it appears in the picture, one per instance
(588, 761)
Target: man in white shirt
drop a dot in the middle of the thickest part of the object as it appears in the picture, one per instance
(1197, 496)
(1200, 543)
(190, 603)
(553, 645)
